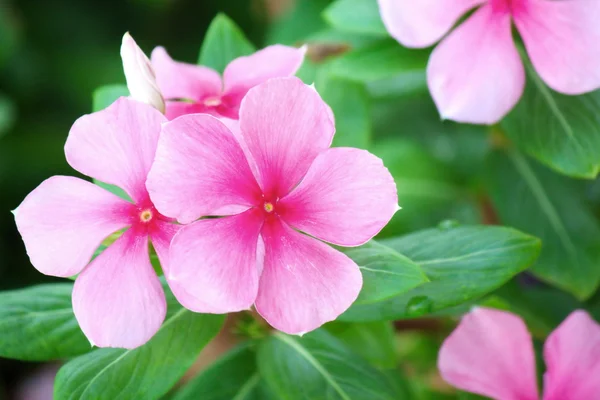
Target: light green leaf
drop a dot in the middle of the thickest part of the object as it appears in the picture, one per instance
(382, 60)
(319, 367)
(104, 96)
(359, 16)
(561, 131)
(113, 189)
(386, 273)
(374, 341)
(349, 102)
(233, 377)
(223, 43)
(147, 372)
(38, 324)
(536, 200)
(462, 263)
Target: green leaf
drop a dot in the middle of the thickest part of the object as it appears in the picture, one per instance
(382, 60)
(147, 372)
(462, 262)
(295, 25)
(224, 42)
(561, 131)
(349, 102)
(233, 377)
(38, 324)
(113, 189)
(428, 190)
(374, 341)
(542, 307)
(104, 96)
(386, 273)
(319, 367)
(360, 16)
(536, 200)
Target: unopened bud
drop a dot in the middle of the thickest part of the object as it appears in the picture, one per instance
(141, 80)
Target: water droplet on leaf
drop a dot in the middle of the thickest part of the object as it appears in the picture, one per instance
(448, 224)
(418, 305)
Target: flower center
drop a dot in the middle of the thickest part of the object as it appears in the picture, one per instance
(212, 102)
(506, 5)
(146, 216)
(269, 207)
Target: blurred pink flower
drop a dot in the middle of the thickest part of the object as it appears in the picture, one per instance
(475, 74)
(117, 298)
(490, 353)
(272, 176)
(202, 90)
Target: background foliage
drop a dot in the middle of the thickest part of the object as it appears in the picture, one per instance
(505, 216)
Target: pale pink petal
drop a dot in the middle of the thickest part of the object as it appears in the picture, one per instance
(274, 61)
(214, 263)
(178, 108)
(304, 283)
(490, 353)
(421, 23)
(475, 75)
(118, 300)
(161, 237)
(285, 124)
(64, 220)
(200, 170)
(572, 354)
(346, 197)
(562, 39)
(141, 80)
(178, 80)
(116, 145)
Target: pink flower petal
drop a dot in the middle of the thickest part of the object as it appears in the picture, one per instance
(346, 198)
(200, 170)
(562, 39)
(421, 23)
(178, 80)
(285, 124)
(116, 145)
(64, 220)
(214, 263)
(118, 300)
(572, 354)
(490, 353)
(304, 283)
(161, 237)
(475, 75)
(178, 108)
(275, 61)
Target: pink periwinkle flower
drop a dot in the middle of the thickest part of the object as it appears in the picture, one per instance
(476, 74)
(190, 88)
(117, 298)
(272, 177)
(490, 353)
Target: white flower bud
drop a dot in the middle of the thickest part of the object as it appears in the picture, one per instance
(141, 80)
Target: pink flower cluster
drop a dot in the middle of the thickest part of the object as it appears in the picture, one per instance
(476, 74)
(490, 353)
(273, 188)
